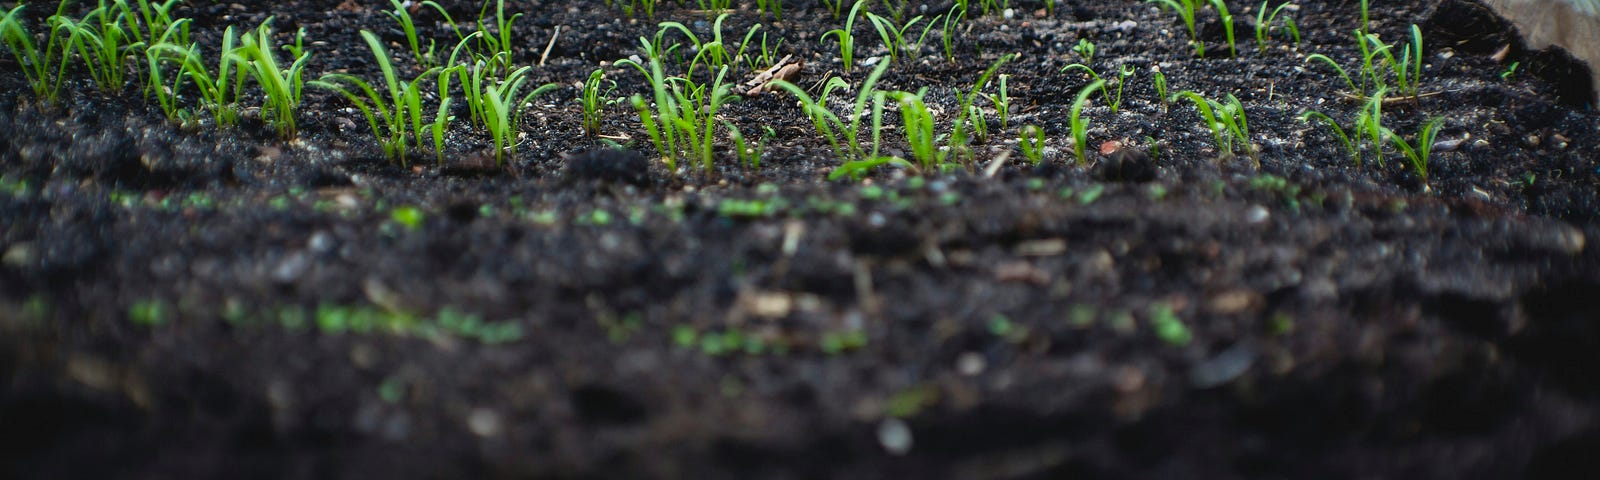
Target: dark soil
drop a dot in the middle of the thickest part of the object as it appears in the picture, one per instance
(167, 291)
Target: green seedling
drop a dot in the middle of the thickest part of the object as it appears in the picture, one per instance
(282, 87)
(1505, 75)
(1186, 11)
(834, 7)
(896, 9)
(1264, 21)
(959, 137)
(502, 109)
(767, 58)
(44, 69)
(712, 53)
(1365, 21)
(402, 16)
(407, 216)
(829, 125)
(1113, 101)
(148, 313)
(219, 89)
(919, 130)
(684, 119)
(1229, 127)
(856, 169)
(749, 154)
(846, 39)
(1418, 155)
(993, 7)
(647, 6)
(1002, 102)
(593, 99)
(1031, 141)
(894, 37)
(1407, 69)
(1160, 81)
(397, 117)
(947, 30)
(1078, 125)
(1085, 49)
(161, 53)
(103, 43)
(772, 7)
(1337, 68)
(1227, 25)
(498, 46)
(1168, 327)
(149, 21)
(1338, 132)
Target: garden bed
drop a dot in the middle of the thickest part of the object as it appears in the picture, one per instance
(179, 298)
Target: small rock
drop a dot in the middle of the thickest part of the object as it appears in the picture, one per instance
(18, 256)
(322, 243)
(483, 422)
(1233, 301)
(769, 305)
(895, 436)
(1021, 271)
(971, 364)
(1127, 379)
(1223, 368)
(1100, 262)
(1049, 247)
(1256, 215)
(1449, 144)
(93, 372)
(291, 267)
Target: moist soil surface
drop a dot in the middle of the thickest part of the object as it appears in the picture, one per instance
(181, 300)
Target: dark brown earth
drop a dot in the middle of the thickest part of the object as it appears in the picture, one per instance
(1342, 320)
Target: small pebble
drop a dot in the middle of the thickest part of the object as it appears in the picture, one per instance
(970, 364)
(322, 243)
(19, 255)
(291, 268)
(483, 422)
(1223, 368)
(895, 436)
(1256, 215)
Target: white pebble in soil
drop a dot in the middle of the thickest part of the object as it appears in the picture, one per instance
(971, 364)
(1257, 215)
(483, 422)
(895, 436)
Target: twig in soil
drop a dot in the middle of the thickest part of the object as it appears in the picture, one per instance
(546, 55)
(994, 165)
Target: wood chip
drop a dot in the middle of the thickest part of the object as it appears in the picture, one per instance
(787, 69)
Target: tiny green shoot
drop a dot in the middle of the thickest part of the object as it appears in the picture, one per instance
(1229, 127)
(1031, 141)
(1264, 21)
(1079, 126)
(281, 86)
(846, 39)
